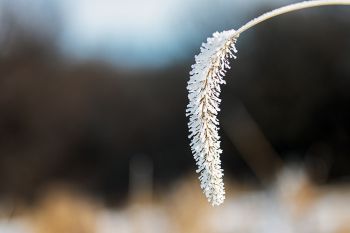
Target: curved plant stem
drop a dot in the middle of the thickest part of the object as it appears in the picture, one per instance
(290, 8)
(206, 77)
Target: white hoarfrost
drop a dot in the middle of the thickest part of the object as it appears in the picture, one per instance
(204, 91)
(204, 100)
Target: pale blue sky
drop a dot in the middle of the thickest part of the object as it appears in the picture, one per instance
(134, 32)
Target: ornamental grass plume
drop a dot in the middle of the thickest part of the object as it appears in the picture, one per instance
(204, 89)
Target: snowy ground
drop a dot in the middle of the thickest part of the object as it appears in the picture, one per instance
(292, 205)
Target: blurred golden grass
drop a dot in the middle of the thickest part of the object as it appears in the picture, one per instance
(62, 210)
(293, 201)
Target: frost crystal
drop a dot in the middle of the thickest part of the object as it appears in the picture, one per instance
(203, 94)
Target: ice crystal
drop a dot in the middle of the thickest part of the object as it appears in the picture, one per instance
(204, 100)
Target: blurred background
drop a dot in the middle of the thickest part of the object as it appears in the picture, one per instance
(93, 133)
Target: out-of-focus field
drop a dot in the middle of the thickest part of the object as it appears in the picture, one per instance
(99, 144)
(292, 204)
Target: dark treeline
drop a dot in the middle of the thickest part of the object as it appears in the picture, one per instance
(82, 123)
